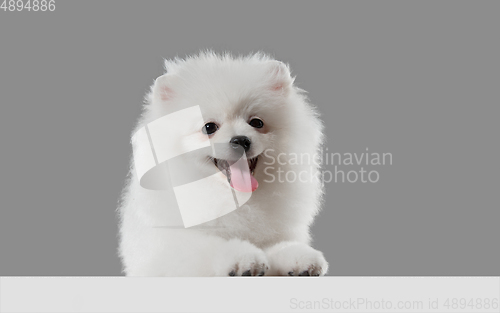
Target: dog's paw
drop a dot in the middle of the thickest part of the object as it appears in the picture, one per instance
(296, 259)
(241, 258)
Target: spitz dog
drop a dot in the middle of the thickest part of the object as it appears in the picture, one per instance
(249, 102)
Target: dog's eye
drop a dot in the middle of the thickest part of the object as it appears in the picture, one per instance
(257, 123)
(210, 128)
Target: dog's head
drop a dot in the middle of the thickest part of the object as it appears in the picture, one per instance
(245, 108)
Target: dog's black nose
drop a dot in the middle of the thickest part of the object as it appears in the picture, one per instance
(242, 141)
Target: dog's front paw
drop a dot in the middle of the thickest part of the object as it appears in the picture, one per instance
(296, 259)
(241, 258)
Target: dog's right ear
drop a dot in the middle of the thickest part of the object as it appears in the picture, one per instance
(162, 89)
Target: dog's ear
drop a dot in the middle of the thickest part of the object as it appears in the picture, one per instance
(281, 80)
(162, 89)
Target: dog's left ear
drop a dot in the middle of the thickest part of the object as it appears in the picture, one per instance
(281, 80)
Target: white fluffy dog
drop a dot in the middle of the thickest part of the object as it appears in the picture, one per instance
(249, 102)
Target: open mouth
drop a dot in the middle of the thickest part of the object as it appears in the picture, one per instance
(239, 174)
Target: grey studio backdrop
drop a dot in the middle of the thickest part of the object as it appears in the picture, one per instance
(419, 80)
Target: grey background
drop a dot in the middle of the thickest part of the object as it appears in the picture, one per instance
(417, 79)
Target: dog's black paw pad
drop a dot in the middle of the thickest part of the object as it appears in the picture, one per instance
(304, 273)
(232, 273)
(290, 273)
(246, 273)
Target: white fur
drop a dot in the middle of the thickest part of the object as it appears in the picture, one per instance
(270, 233)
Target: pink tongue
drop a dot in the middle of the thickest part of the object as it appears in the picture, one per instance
(241, 178)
